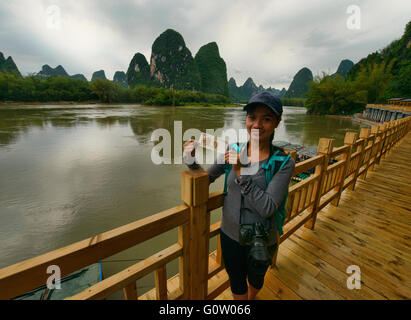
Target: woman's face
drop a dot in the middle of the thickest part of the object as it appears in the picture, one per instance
(263, 119)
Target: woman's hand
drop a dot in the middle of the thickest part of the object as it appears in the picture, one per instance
(233, 157)
(189, 147)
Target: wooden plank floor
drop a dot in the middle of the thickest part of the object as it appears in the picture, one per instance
(371, 228)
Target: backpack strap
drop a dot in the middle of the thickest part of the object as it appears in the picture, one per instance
(270, 166)
(227, 169)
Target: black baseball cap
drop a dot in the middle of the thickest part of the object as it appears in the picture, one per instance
(268, 99)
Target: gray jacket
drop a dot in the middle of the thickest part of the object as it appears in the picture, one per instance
(260, 201)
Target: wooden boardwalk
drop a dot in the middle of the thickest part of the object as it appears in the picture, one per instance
(371, 228)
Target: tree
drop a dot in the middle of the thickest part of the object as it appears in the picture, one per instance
(106, 90)
(375, 79)
(334, 95)
(401, 85)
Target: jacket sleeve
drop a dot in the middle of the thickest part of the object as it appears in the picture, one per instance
(266, 202)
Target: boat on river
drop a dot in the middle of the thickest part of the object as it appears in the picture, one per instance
(70, 285)
(302, 153)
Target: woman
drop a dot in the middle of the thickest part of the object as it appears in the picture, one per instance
(250, 194)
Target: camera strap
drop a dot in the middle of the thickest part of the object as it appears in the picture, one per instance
(242, 206)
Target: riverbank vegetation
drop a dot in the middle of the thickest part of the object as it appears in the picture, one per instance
(294, 102)
(334, 95)
(36, 89)
(61, 89)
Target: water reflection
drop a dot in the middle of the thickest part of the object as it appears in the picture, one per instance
(296, 127)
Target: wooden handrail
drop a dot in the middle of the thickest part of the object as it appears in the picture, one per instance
(124, 278)
(215, 200)
(31, 274)
(338, 151)
(308, 164)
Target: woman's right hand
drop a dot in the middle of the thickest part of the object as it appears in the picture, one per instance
(189, 147)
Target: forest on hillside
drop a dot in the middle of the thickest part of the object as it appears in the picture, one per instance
(382, 75)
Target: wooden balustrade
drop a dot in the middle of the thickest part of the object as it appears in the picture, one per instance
(30, 274)
(196, 267)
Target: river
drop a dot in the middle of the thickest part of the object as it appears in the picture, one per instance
(70, 172)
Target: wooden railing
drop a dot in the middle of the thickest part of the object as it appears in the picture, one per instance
(197, 268)
(405, 106)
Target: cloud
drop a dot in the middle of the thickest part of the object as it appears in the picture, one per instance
(266, 40)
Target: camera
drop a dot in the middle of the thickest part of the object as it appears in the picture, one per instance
(255, 236)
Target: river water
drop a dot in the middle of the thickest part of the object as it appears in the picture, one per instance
(70, 172)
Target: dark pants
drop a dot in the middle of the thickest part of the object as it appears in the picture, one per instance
(239, 267)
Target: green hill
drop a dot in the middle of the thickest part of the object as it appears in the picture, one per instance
(233, 90)
(99, 75)
(344, 67)
(59, 71)
(172, 64)
(299, 86)
(79, 76)
(47, 71)
(8, 65)
(248, 89)
(212, 69)
(138, 72)
(242, 93)
(121, 78)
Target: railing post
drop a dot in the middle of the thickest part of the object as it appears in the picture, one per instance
(160, 277)
(376, 144)
(387, 139)
(325, 147)
(390, 136)
(194, 193)
(184, 261)
(360, 148)
(349, 140)
(364, 134)
(381, 128)
(401, 125)
(394, 132)
(292, 153)
(130, 292)
(399, 134)
(401, 128)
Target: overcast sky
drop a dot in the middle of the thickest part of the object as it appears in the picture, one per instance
(268, 40)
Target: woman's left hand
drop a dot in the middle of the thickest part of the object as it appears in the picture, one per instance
(233, 157)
